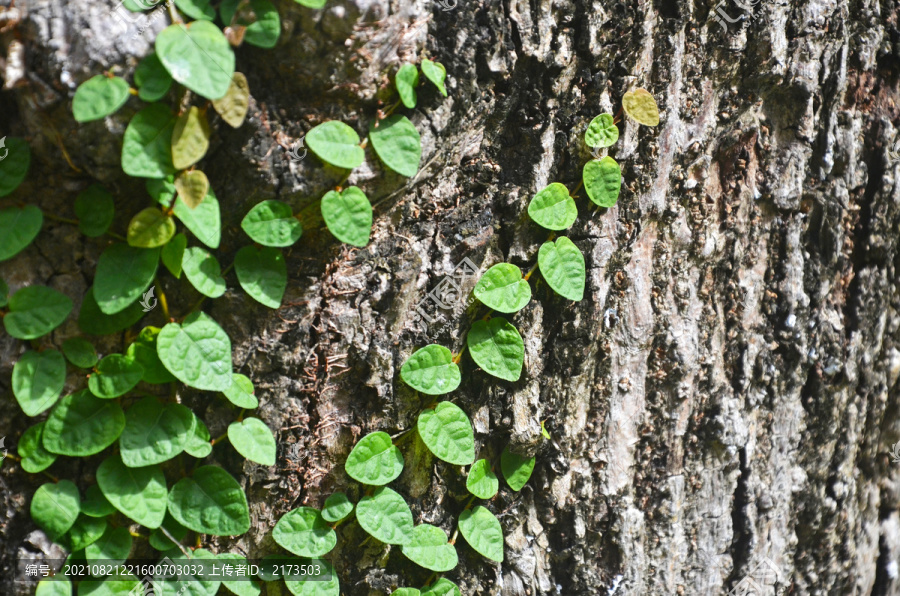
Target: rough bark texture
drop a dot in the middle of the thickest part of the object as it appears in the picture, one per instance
(726, 391)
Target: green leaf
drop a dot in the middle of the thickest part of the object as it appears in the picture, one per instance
(262, 273)
(436, 73)
(57, 586)
(497, 347)
(197, 9)
(55, 507)
(158, 538)
(113, 547)
(211, 502)
(407, 80)
(143, 351)
(173, 254)
(146, 146)
(190, 138)
(253, 439)
(241, 392)
(95, 504)
(516, 469)
(116, 375)
(406, 592)
(431, 370)
(316, 587)
(448, 434)
(198, 444)
(348, 215)
(312, 3)
(304, 533)
(336, 143)
(601, 132)
(81, 424)
(84, 532)
(442, 587)
(203, 271)
(198, 56)
(123, 274)
(94, 209)
(272, 223)
(197, 352)
(113, 585)
(386, 516)
(152, 79)
(204, 220)
(544, 431)
(139, 493)
(602, 181)
(240, 587)
(34, 457)
(19, 226)
(14, 165)
(234, 105)
(194, 579)
(93, 321)
(483, 532)
(161, 189)
(154, 432)
(374, 460)
(80, 352)
(38, 379)
(262, 32)
(503, 289)
(482, 482)
(397, 143)
(337, 507)
(553, 208)
(429, 548)
(4, 293)
(35, 311)
(562, 266)
(640, 105)
(192, 187)
(98, 97)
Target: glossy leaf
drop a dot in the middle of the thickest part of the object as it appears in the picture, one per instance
(483, 532)
(123, 275)
(241, 585)
(15, 164)
(262, 273)
(59, 585)
(386, 516)
(146, 146)
(190, 579)
(211, 501)
(263, 31)
(150, 228)
(85, 531)
(98, 97)
(143, 351)
(397, 143)
(152, 79)
(116, 375)
(203, 271)
(562, 266)
(337, 507)
(516, 469)
(482, 482)
(316, 587)
(553, 208)
(429, 548)
(442, 587)
(55, 507)
(113, 546)
(154, 432)
(374, 460)
(95, 503)
(94, 209)
(19, 226)
(35, 311)
(602, 181)
(436, 73)
(447, 433)
(198, 56)
(113, 585)
(240, 393)
(305, 533)
(197, 9)
(204, 221)
(234, 105)
(503, 289)
(93, 321)
(348, 215)
(34, 457)
(272, 223)
(81, 424)
(80, 352)
(497, 347)
(38, 379)
(406, 80)
(640, 105)
(253, 439)
(601, 132)
(336, 143)
(173, 254)
(198, 443)
(192, 187)
(431, 370)
(197, 352)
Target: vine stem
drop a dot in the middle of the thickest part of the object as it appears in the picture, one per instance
(462, 351)
(163, 302)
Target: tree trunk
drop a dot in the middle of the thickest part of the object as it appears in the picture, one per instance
(724, 396)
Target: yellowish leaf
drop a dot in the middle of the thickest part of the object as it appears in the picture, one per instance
(192, 187)
(233, 107)
(190, 138)
(641, 106)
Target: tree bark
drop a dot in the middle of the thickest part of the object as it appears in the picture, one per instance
(726, 393)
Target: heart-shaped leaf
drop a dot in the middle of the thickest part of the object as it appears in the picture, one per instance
(436, 73)
(31, 449)
(317, 586)
(95, 503)
(198, 443)
(204, 221)
(198, 56)
(241, 392)
(197, 9)
(272, 223)
(203, 271)
(154, 432)
(173, 254)
(429, 548)
(98, 97)
(304, 532)
(81, 424)
(35, 311)
(146, 146)
(14, 166)
(152, 78)
(80, 352)
(262, 273)
(192, 187)
(386, 516)
(448, 434)
(431, 370)
(407, 80)
(601, 132)
(123, 584)
(562, 266)
(337, 507)
(18, 227)
(150, 228)
(264, 30)
(211, 502)
(123, 275)
(336, 143)
(241, 583)
(497, 347)
(85, 531)
(94, 209)
(397, 142)
(197, 352)
(553, 208)
(190, 138)
(253, 439)
(516, 469)
(234, 105)
(113, 547)
(483, 532)
(374, 460)
(143, 351)
(503, 289)
(641, 106)
(93, 321)
(602, 181)
(116, 375)
(442, 587)
(195, 575)
(38, 379)
(482, 482)
(55, 507)
(348, 215)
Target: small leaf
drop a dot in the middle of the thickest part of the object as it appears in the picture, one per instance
(317, 586)
(336, 143)
(154, 432)
(198, 56)
(442, 587)
(337, 507)
(14, 166)
(123, 275)
(35, 311)
(262, 273)
(204, 221)
(397, 143)
(516, 469)
(116, 375)
(601, 132)
(234, 105)
(192, 187)
(197, 9)
(448, 434)
(482, 482)
(483, 532)
(191, 575)
(197, 352)
(198, 444)
(406, 592)
(173, 254)
(93, 321)
(562, 266)
(123, 584)
(407, 80)
(146, 146)
(59, 585)
(19, 226)
(348, 215)
(553, 208)
(38, 379)
(210, 502)
(272, 223)
(161, 189)
(34, 457)
(239, 584)
(544, 431)
(190, 138)
(112, 548)
(152, 78)
(503, 289)
(431, 370)
(429, 548)
(436, 73)
(98, 97)
(374, 460)
(94, 209)
(253, 439)
(81, 424)
(150, 228)
(80, 352)
(304, 533)
(640, 105)
(497, 347)
(95, 504)
(241, 392)
(386, 516)
(264, 30)
(84, 532)
(203, 271)
(602, 181)
(312, 3)
(55, 507)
